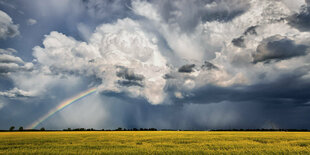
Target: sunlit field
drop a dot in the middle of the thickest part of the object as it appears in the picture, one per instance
(154, 142)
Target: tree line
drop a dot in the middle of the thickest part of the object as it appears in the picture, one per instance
(22, 128)
(117, 129)
(12, 128)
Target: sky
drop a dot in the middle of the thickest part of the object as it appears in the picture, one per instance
(191, 65)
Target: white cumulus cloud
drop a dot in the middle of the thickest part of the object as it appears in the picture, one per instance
(7, 28)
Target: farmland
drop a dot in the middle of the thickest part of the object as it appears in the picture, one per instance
(154, 142)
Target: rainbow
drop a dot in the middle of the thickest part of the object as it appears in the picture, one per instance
(61, 106)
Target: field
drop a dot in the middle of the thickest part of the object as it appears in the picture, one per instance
(154, 142)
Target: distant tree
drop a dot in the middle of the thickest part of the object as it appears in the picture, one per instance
(119, 129)
(21, 128)
(42, 129)
(12, 128)
(69, 129)
(102, 129)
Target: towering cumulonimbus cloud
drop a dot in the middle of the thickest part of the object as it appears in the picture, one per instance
(120, 54)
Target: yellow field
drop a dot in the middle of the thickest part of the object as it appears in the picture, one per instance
(154, 142)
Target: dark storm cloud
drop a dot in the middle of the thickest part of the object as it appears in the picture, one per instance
(219, 107)
(208, 66)
(129, 77)
(129, 83)
(129, 74)
(169, 76)
(251, 31)
(289, 88)
(278, 48)
(187, 68)
(239, 42)
(301, 20)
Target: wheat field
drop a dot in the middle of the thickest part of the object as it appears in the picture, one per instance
(154, 142)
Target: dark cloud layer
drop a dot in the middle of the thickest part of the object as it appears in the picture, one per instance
(301, 20)
(239, 42)
(251, 31)
(289, 88)
(129, 74)
(278, 48)
(129, 77)
(187, 68)
(208, 66)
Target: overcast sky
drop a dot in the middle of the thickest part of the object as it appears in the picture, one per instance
(199, 64)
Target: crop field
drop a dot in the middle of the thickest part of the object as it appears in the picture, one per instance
(154, 142)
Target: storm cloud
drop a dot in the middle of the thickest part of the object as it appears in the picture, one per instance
(239, 42)
(129, 77)
(301, 20)
(187, 68)
(197, 64)
(208, 65)
(278, 48)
